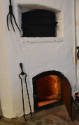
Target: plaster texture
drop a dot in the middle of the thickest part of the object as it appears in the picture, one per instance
(36, 54)
(77, 38)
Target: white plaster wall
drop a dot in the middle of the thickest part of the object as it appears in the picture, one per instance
(6, 103)
(77, 39)
(36, 56)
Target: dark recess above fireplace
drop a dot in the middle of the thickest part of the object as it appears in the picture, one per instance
(39, 23)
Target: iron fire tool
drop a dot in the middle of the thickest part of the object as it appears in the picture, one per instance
(11, 18)
(21, 76)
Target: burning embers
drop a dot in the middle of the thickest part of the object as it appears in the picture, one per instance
(48, 90)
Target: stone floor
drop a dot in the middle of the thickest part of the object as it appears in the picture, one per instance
(54, 116)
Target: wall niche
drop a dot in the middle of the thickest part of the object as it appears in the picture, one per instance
(40, 21)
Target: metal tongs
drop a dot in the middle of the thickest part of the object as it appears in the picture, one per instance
(11, 18)
(21, 76)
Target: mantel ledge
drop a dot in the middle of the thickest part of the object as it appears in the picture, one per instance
(41, 39)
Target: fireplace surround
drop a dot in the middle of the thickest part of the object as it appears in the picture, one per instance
(51, 88)
(37, 54)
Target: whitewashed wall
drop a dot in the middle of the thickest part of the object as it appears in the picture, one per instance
(36, 54)
(6, 101)
(77, 39)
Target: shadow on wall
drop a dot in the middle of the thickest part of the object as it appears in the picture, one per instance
(0, 111)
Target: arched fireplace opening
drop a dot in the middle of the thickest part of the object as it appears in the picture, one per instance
(51, 88)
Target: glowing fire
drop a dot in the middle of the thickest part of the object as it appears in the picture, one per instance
(49, 89)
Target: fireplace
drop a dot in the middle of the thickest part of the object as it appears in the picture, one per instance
(51, 88)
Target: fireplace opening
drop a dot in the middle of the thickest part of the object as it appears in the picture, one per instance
(51, 88)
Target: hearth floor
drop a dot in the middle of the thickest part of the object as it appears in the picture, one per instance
(54, 116)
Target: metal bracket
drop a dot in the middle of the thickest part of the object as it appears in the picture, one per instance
(77, 51)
